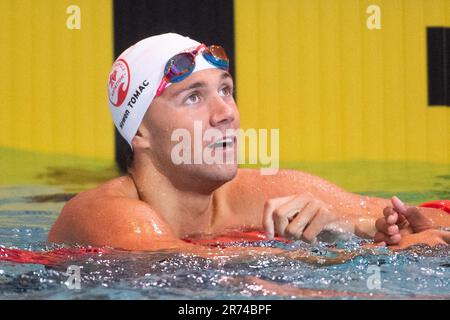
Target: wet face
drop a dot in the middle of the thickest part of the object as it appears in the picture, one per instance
(199, 112)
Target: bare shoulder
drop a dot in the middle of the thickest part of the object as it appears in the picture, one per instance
(111, 215)
(284, 182)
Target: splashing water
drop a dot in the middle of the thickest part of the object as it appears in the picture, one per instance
(27, 212)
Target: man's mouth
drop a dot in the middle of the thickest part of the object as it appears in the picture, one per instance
(225, 142)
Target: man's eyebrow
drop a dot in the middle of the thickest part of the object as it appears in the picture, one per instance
(195, 85)
(225, 75)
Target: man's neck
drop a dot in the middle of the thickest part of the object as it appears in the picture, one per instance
(186, 212)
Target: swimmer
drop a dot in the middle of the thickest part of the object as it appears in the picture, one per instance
(164, 83)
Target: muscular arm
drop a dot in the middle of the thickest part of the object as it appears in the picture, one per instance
(113, 221)
(361, 211)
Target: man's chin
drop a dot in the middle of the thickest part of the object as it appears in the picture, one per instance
(204, 178)
(220, 172)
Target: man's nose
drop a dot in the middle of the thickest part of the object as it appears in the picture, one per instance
(221, 112)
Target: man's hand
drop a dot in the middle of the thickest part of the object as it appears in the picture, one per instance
(431, 237)
(299, 216)
(399, 221)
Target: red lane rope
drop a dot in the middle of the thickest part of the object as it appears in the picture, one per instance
(249, 236)
(57, 256)
(438, 204)
(47, 258)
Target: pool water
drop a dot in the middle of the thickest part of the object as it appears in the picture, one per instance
(30, 203)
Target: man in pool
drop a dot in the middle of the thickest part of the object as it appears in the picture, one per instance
(167, 82)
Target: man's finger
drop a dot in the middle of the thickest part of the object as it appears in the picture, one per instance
(398, 204)
(319, 221)
(283, 214)
(390, 215)
(402, 223)
(416, 219)
(386, 228)
(269, 207)
(305, 215)
(387, 211)
(382, 237)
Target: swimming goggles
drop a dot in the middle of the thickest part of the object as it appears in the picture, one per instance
(181, 65)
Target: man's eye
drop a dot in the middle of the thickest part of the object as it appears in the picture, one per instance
(226, 91)
(193, 98)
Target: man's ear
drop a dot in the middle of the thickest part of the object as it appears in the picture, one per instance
(141, 140)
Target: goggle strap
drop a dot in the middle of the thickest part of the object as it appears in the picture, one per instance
(161, 87)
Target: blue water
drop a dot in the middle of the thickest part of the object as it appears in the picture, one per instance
(420, 272)
(27, 213)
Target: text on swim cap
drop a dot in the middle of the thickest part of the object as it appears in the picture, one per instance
(137, 93)
(133, 101)
(124, 118)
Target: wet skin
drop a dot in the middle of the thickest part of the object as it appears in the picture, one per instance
(158, 203)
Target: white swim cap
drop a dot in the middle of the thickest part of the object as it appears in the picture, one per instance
(136, 75)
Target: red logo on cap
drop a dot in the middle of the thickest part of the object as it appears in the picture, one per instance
(119, 82)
